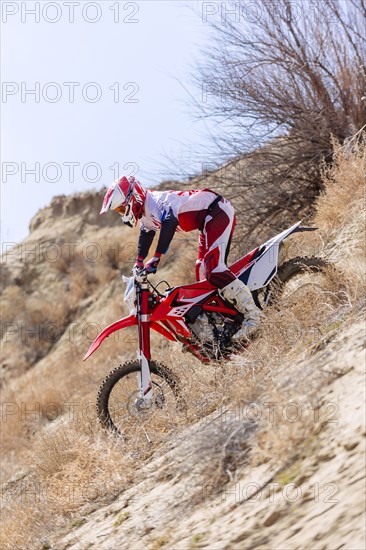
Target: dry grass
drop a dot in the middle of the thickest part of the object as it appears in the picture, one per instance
(341, 218)
(312, 309)
(79, 467)
(76, 468)
(12, 303)
(23, 523)
(341, 214)
(344, 183)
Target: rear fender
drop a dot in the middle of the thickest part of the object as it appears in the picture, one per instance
(129, 321)
(263, 269)
(281, 236)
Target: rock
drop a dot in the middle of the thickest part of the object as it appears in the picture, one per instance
(272, 518)
(325, 455)
(349, 445)
(243, 536)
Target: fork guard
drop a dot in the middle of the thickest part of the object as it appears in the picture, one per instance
(129, 321)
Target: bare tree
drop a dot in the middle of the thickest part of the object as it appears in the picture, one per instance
(282, 78)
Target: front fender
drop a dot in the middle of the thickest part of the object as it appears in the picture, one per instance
(129, 321)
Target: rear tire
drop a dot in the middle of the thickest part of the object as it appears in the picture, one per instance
(298, 265)
(285, 273)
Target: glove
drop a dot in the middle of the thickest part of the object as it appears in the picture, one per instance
(138, 267)
(139, 263)
(152, 265)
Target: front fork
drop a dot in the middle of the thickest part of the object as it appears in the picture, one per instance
(143, 354)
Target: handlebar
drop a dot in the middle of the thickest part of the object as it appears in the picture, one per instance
(140, 275)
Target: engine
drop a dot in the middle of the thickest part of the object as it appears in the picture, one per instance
(203, 329)
(213, 331)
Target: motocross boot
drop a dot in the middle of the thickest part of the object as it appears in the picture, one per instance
(240, 296)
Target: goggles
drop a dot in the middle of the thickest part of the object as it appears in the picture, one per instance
(121, 209)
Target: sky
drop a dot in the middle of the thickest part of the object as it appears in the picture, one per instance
(90, 91)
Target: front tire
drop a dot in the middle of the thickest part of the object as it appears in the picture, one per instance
(117, 401)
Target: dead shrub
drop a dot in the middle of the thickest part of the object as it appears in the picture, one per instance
(344, 187)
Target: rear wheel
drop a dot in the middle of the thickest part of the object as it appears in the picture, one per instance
(121, 411)
(286, 273)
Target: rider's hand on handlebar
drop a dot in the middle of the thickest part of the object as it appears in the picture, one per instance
(139, 263)
(152, 265)
(138, 268)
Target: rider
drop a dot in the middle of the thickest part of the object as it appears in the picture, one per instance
(171, 211)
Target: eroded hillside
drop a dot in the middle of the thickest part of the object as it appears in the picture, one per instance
(270, 453)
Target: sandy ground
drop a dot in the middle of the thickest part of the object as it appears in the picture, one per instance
(319, 503)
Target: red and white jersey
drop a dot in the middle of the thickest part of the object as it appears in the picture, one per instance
(188, 207)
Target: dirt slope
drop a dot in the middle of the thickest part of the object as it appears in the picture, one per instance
(317, 502)
(271, 451)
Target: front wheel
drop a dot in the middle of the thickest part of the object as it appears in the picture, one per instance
(120, 410)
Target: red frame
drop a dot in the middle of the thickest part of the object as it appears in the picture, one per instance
(166, 315)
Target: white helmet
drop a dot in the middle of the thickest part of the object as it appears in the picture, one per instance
(127, 196)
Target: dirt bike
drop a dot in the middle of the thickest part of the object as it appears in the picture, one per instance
(195, 315)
